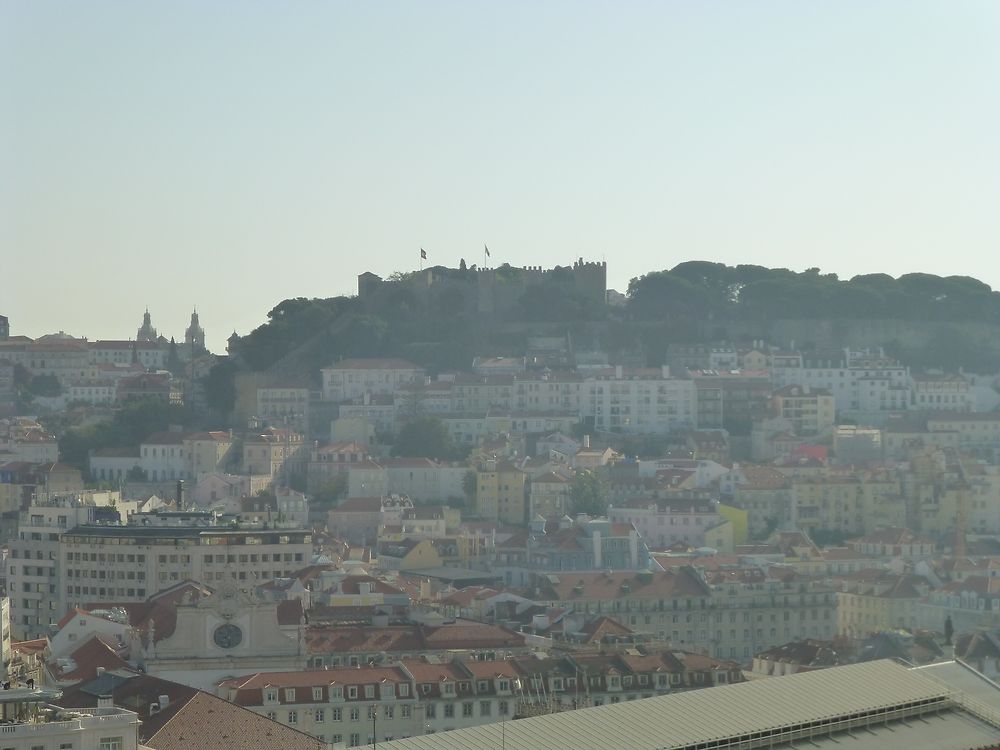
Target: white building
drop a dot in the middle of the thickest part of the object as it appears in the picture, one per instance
(860, 381)
(32, 723)
(639, 401)
(353, 378)
(34, 575)
(104, 563)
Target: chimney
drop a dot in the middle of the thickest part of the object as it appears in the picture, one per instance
(105, 701)
(101, 671)
(586, 441)
(164, 701)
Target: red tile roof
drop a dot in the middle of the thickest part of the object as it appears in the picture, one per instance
(209, 723)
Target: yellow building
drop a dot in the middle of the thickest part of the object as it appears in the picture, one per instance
(873, 600)
(720, 537)
(500, 492)
(739, 519)
(849, 503)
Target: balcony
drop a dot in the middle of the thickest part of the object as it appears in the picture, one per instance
(25, 713)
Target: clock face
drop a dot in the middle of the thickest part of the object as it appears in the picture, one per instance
(228, 636)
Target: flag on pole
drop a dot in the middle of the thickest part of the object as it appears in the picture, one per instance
(487, 250)
(423, 254)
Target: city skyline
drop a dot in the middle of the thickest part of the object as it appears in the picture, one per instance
(229, 159)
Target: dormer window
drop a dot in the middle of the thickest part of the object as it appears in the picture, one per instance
(352, 691)
(483, 686)
(448, 688)
(270, 696)
(504, 684)
(289, 695)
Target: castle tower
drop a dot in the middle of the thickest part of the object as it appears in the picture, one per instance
(194, 336)
(146, 332)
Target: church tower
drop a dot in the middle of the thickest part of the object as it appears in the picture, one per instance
(146, 332)
(194, 336)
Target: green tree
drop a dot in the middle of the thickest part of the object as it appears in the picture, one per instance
(331, 493)
(220, 387)
(45, 385)
(470, 486)
(587, 494)
(425, 437)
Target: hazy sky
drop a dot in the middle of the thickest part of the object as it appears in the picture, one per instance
(232, 154)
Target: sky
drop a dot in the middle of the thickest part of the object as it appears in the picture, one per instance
(229, 155)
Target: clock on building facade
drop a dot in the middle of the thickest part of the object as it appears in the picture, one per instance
(227, 636)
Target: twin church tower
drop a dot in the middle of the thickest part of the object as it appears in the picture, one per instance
(194, 336)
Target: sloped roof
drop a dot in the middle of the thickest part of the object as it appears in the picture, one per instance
(210, 723)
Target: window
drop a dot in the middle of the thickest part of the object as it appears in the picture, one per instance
(431, 710)
(449, 710)
(352, 691)
(467, 708)
(355, 739)
(317, 693)
(336, 714)
(289, 695)
(355, 714)
(320, 714)
(406, 710)
(112, 743)
(485, 708)
(271, 696)
(293, 717)
(272, 716)
(502, 708)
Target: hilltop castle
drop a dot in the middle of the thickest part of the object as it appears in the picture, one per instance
(486, 291)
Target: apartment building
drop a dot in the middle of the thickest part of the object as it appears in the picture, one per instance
(549, 495)
(849, 503)
(860, 381)
(284, 405)
(941, 392)
(638, 401)
(662, 522)
(875, 600)
(149, 354)
(32, 722)
(547, 392)
(127, 563)
(367, 704)
(727, 613)
(35, 572)
(501, 492)
(353, 378)
(810, 411)
(273, 452)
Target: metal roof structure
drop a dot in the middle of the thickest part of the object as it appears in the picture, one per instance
(760, 713)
